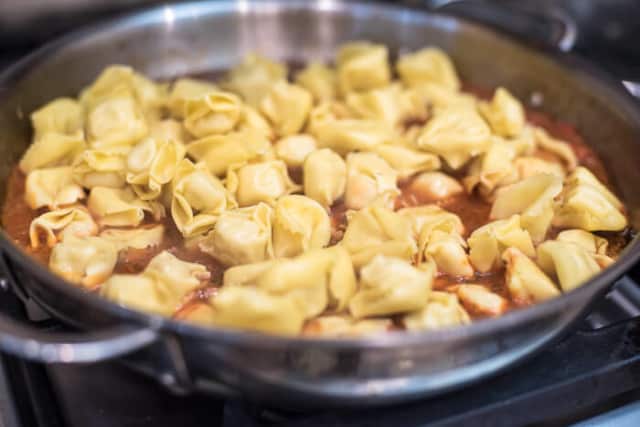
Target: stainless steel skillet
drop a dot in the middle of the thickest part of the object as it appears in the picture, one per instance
(196, 37)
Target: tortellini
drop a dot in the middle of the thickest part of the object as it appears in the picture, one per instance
(287, 107)
(479, 299)
(325, 202)
(294, 149)
(117, 120)
(259, 182)
(570, 262)
(220, 151)
(525, 281)
(442, 310)
(362, 66)
(532, 198)
(390, 286)
(120, 207)
(319, 80)
(299, 224)
(504, 113)
(253, 78)
(377, 230)
(487, 243)
(241, 236)
(587, 204)
(52, 187)
(198, 199)
(216, 112)
(152, 164)
(368, 176)
(254, 309)
(325, 176)
(160, 288)
(185, 89)
(58, 224)
(87, 260)
(101, 168)
(406, 159)
(456, 134)
(430, 65)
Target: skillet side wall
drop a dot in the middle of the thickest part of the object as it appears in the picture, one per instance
(199, 37)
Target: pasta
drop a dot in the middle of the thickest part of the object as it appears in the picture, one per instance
(358, 197)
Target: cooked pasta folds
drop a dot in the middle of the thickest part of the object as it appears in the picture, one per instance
(344, 198)
(52, 187)
(259, 182)
(390, 286)
(299, 224)
(368, 176)
(325, 176)
(198, 199)
(88, 261)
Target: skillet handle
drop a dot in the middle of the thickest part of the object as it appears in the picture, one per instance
(550, 25)
(84, 347)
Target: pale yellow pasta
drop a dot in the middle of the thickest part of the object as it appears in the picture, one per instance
(493, 169)
(215, 112)
(241, 236)
(294, 149)
(325, 176)
(532, 198)
(184, 89)
(527, 166)
(259, 182)
(390, 285)
(58, 224)
(251, 120)
(347, 135)
(116, 120)
(443, 310)
(456, 134)
(319, 80)
(559, 148)
(198, 199)
(160, 288)
(151, 164)
(440, 97)
(480, 300)
(169, 130)
(286, 106)
(525, 281)
(362, 66)
(435, 186)
(220, 151)
(504, 113)
(52, 187)
(587, 204)
(253, 78)
(448, 251)
(199, 313)
(101, 167)
(375, 230)
(254, 309)
(121, 207)
(299, 224)
(390, 104)
(62, 116)
(87, 261)
(51, 149)
(406, 159)
(569, 262)
(136, 238)
(430, 65)
(368, 176)
(487, 243)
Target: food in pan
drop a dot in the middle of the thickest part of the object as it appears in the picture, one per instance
(344, 200)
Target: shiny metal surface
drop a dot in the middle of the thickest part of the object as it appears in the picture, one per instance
(196, 37)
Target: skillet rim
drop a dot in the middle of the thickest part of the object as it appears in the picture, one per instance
(594, 286)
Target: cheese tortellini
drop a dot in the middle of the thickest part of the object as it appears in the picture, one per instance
(347, 198)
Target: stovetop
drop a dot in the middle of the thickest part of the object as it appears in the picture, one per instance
(591, 377)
